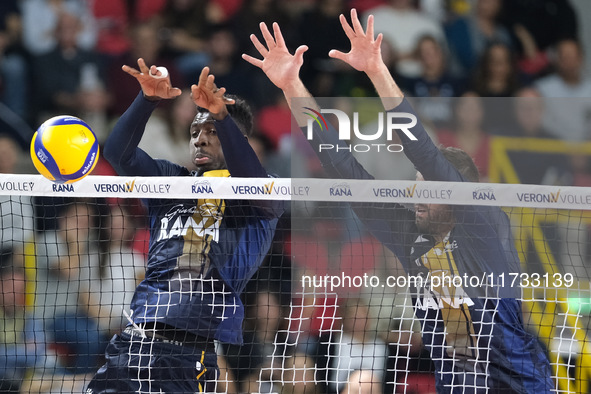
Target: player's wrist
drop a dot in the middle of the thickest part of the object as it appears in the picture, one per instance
(378, 72)
(295, 88)
(221, 114)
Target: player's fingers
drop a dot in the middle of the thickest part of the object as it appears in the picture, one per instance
(130, 70)
(347, 29)
(299, 52)
(210, 84)
(355, 22)
(269, 40)
(195, 92)
(278, 36)
(203, 76)
(174, 92)
(219, 92)
(379, 40)
(257, 44)
(254, 61)
(370, 26)
(142, 65)
(336, 54)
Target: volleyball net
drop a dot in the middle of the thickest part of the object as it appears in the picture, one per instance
(332, 305)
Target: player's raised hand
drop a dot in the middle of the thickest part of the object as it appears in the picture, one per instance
(154, 81)
(365, 54)
(207, 95)
(281, 67)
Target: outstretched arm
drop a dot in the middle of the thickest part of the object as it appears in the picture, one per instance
(121, 148)
(283, 69)
(366, 56)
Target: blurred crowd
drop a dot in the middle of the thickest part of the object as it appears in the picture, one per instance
(504, 61)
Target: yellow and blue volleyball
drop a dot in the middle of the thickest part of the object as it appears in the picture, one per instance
(64, 149)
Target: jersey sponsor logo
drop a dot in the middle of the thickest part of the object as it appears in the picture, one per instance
(340, 189)
(17, 186)
(203, 220)
(485, 194)
(62, 187)
(431, 299)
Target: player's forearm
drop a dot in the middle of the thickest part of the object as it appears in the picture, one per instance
(298, 98)
(121, 145)
(386, 87)
(423, 153)
(241, 159)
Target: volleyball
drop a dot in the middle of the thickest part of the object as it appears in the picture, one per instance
(64, 149)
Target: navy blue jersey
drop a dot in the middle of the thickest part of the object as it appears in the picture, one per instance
(202, 252)
(475, 335)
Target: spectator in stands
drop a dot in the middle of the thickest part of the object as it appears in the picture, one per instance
(69, 79)
(42, 17)
(16, 220)
(67, 265)
(548, 21)
(402, 26)
(467, 131)
(252, 12)
(496, 74)
(121, 268)
(114, 18)
(231, 72)
(320, 25)
(251, 362)
(144, 44)
(165, 136)
(468, 37)
(533, 167)
(298, 376)
(21, 339)
(435, 80)
(362, 382)
(13, 64)
(568, 117)
(183, 29)
(358, 346)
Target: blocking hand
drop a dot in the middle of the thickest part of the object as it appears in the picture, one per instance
(153, 84)
(365, 54)
(281, 67)
(207, 95)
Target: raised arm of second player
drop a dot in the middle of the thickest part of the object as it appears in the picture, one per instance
(282, 69)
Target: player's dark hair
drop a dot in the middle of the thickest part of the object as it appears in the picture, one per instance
(461, 162)
(241, 113)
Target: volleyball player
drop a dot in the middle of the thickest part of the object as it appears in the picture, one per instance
(477, 341)
(202, 251)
